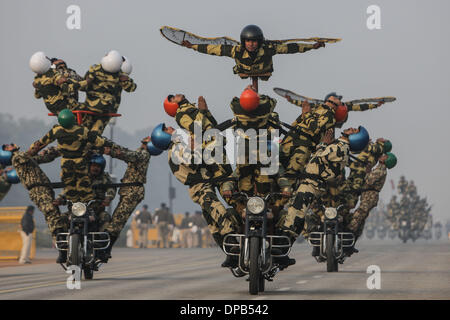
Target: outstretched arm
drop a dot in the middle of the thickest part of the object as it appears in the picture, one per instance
(212, 49)
(296, 47)
(363, 106)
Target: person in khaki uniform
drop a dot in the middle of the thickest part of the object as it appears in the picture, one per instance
(27, 225)
(144, 220)
(164, 222)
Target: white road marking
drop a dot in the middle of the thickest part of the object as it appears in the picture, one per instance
(283, 289)
(317, 276)
(302, 281)
(260, 298)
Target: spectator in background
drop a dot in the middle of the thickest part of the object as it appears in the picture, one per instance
(143, 221)
(165, 222)
(199, 224)
(186, 233)
(27, 224)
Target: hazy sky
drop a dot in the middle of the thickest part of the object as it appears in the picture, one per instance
(406, 58)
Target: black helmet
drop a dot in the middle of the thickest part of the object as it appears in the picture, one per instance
(252, 32)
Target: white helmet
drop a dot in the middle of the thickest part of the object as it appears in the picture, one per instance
(112, 61)
(126, 66)
(39, 63)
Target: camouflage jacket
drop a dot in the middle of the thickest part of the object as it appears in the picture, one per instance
(102, 193)
(252, 64)
(329, 160)
(375, 179)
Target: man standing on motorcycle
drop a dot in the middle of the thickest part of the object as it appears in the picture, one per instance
(201, 178)
(373, 184)
(325, 165)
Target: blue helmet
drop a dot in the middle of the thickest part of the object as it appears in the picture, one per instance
(161, 139)
(98, 159)
(358, 141)
(5, 157)
(12, 176)
(154, 151)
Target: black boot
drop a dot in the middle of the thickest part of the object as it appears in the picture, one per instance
(105, 255)
(231, 262)
(62, 256)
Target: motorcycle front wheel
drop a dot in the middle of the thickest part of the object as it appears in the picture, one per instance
(332, 264)
(254, 270)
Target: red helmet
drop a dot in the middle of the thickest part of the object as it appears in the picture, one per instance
(341, 113)
(249, 100)
(170, 107)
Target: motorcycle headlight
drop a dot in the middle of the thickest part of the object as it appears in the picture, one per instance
(404, 223)
(255, 205)
(330, 213)
(78, 209)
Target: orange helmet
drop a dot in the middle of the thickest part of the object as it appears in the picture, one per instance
(170, 107)
(341, 113)
(249, 100)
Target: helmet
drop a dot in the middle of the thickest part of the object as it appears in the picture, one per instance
(98, 159)
(5, 157)
(66, 118)
(154, 151)
(252, 32)
(126, 66)
(170, 107)
(12, 176)
(249, 100)
(161, 139)
(39, 63)
(358, 141)
(341, 113)
(391, 160)
(387, 147)
(112, 61)
(332, 94)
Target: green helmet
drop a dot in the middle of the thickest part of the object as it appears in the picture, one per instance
(387, 147)
(66, 118)
(391, 160)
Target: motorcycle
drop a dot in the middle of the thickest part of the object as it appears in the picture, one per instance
(369, 231)
(331, 240)
(381, 232)
(392, 233)
(437, 232)
(256, 248)
(404, 229)
(84, 243)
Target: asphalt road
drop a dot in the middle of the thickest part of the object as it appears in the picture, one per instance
(408, 271)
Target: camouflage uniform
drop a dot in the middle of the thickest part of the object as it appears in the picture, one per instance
(74, 145)
(102, 193)
(358, 171)
(373, 184)
(38, 186)
(253, 64)
(402, 185)
(4, 186)
(393, 212)
(132, 195)
(297, 145)
(350, 107)
(57, 96)
(101, 96)
(250, 179)
(325, 165)
(127, 85)
(201, 178)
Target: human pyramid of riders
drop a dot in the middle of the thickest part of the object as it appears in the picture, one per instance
(310, 169)
(411, 208)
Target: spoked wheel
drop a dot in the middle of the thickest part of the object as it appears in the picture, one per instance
(332, 264)
(254, 270)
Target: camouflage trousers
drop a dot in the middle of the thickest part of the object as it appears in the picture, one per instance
(294, 219)
(95, 123)
(130, 197)
(75, 176)
(369, 200)
(294, 159)
(216, 215)
(35, 181)
(4, 187)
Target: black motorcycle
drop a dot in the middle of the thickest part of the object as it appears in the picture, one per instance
(404, 229)
(256, 248)
(381, 232)
(331, 240)
(84, 243)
